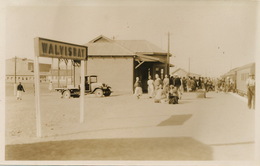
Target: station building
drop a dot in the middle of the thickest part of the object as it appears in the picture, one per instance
(118, 62)
(183, 73)
(22, 69)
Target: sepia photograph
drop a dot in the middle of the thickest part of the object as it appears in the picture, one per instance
(130, 82)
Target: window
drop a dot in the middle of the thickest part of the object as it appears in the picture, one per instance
(30, 66)
(93, 79)
(162, 73)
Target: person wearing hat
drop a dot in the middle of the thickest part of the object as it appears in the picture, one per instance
(250, 83)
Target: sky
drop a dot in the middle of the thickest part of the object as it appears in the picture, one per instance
(209, 37)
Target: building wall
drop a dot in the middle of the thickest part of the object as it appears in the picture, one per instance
(117, 72)
(24, 70)
(181, 73)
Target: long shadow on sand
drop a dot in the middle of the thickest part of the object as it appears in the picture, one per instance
(175, 120)
(176, 148)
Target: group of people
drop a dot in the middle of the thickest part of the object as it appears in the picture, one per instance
(166, 90)
(191, 84)
(225, 85)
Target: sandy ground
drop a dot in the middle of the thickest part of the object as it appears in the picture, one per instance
(120, 127)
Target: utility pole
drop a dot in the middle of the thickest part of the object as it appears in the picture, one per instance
(167, 66)
(189, 65)
(15, 76)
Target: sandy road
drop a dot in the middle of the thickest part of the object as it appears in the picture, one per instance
(219, 127)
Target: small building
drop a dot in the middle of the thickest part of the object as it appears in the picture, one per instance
(119, 62)
(22, 70)
(183, 73)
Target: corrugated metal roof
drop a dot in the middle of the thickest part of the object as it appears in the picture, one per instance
(191, 74)
(103, 46)
(140, 46)
(108, 49)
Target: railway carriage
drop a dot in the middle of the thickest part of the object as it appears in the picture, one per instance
(240, 75)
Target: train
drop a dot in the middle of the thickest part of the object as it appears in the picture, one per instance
(239, 75)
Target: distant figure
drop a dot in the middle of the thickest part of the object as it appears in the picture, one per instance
(157, 82)
(50, 86)
(166, 82)
(227, 84)
(159, 95)
(150, 84)
(193, 85)
(184, 84)
(177, 82)
(138, 88)
(250, 83)
(173, 95)
(20, 89)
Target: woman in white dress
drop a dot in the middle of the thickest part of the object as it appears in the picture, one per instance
(150, 87)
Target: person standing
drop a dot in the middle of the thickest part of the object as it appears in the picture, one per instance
(150, 84)
(138, 88)
(50, 86)
(227, 84)
(177, 82)
(250, 83)
(20, 89)
(193, 85)
(184, 84)
(157, 82)
(166, 85)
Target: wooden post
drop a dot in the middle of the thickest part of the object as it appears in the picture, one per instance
(52, 70)
(74, 83)
(71, 72)
(82, 91)
(15, 85)
(58, 72)
(66, 61)
(168, 56)
(37, 88)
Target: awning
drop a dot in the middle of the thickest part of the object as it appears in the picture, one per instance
(141, 58)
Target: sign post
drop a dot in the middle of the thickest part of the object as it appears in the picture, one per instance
(82, 91)
(37, 88)
(61, 50)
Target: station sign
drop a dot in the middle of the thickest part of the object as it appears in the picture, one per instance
(58, 49)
